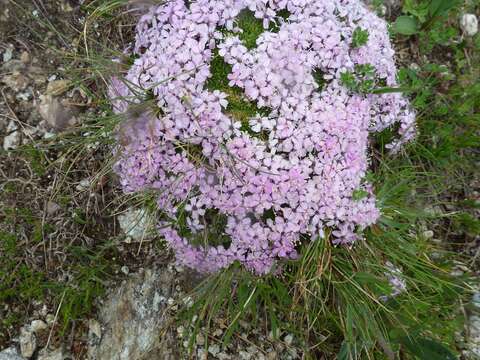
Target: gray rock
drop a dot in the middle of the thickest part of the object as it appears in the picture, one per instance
(135, 223)
(56, 115)
(133, 321)
(46, 354)
(12, 140)
(28, 342)
(38, 325)
(10, 353)
(469, 24)
(8, 54)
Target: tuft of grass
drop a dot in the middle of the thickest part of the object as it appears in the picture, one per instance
(251, 27)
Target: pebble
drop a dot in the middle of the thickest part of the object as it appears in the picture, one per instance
(134, 223)
(28, 342)
(217, 333)
(288, 339)
(94, 329)
(25, 57)
(8, 54)
(428, 234)
(57, 87)
(52, 207)
(46, 354)
(214, 349)
(469, 24)
(10, 353)
(124, 269)
(245, 355)
(83, 185)
(38, 325)
(12, 140)
(200, 340)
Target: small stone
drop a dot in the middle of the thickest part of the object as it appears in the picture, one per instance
(476, 300)
(28, 342)
(49, 319)
(214, 349)
(180, 331)
(200, 339)
(223, 356)
(8, 54)
(46, 354)
(55, 114)
(456, 273)
(83, 185)
(469, 24)
(428, 234)
(57, 87)
(202, 354)
(245, 355)
(38, 325)
(288, 339)
(52, 207)
(16, 81)
(48, 135)
(272, 355)
(217, 333)
(12, 140)
(124, 269)
(94, 329)
(10, 353)
(25, 57)
(134, 223)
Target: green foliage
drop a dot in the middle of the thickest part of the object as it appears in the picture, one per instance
(359, 37)
(361, 80)
(251, 26)
(422, 15)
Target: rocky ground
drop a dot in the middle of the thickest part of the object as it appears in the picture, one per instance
(56, 197)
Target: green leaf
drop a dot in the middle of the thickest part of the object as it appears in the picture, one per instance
(359, 194)
(406, 25)
(427, 349)
(440, 7)
(359, 37)
(419, 9)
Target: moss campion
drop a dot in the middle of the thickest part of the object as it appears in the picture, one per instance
(249, 190)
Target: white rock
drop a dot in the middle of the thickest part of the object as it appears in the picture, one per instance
(428, 234)
(476, 300)
(469, 24)
(94, 329)
(28, 342)
(214, 349)
(56, 115)
(10, 353)
(132, 323)
(38, 325)
(50, 319)
(12, 140)
(46, 354)
(200, 339)
(288, 339)
(124, 269)
(83, 185)
(8, 54)
(245, 355)
(134, 223)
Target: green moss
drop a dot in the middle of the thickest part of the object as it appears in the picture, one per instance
(251, 26)
(318, 77)
(239, 107)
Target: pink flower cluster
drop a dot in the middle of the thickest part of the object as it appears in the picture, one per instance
(291, 174)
